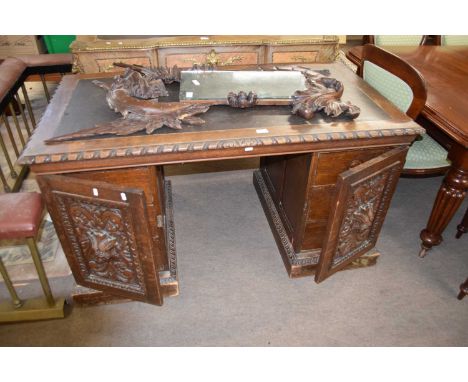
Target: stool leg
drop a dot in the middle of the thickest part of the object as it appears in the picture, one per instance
(40, 270)
(16, 300)
(463, 290)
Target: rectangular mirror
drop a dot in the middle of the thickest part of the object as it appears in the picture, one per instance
(216, 84)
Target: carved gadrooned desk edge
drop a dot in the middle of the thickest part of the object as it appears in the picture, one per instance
(85, 46)
(221, 144)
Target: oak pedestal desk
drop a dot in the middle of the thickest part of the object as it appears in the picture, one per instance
(325, 184)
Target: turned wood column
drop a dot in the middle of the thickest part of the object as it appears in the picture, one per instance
(448, 200)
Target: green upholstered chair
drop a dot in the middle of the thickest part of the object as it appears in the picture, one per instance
(402, 85)
(454, 40)
(410, 40)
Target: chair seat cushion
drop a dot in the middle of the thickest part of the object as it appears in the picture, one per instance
(426, 154)
(20, 215)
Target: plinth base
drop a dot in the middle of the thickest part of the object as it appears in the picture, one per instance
(303, 263)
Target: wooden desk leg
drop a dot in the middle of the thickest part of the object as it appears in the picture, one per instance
(449, 198)
(463, 290)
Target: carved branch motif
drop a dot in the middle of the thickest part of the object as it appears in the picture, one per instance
(323, 94)
(242, 100)
(103, 243)
(135, 94)
(167, 75)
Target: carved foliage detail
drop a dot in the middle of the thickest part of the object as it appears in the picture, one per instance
(364, 214)
(103, 242)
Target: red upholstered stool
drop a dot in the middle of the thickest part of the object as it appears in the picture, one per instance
(20, 218)
(20, 215)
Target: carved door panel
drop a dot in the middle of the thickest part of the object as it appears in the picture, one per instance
(104, 232)
(362, 198)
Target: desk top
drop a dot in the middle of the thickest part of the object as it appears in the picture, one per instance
(445, 70)
(227, 133)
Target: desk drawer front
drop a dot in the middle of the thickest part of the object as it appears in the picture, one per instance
(327, 169)
(331, 164)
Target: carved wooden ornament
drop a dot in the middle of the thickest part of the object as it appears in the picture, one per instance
(135, 94)
(323, 94)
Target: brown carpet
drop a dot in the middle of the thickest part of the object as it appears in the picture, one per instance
(235, 291)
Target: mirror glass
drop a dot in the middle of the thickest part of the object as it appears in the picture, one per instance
(216, 84)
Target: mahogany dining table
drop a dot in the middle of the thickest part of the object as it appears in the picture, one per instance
(445, 70)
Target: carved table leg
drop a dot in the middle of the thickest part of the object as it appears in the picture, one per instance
(449, 198)
(463, 290)
(463, 226)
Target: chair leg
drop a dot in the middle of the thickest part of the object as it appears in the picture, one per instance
(463, 290)
(40, 271)
(6, 278)
(463, 226)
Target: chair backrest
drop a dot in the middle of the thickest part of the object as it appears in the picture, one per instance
(394, 78)
(410, 40)
(454, 39)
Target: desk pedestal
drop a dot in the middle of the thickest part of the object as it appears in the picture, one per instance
(326, 209)
(116, 226)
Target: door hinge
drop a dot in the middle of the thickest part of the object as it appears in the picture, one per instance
(160, 221)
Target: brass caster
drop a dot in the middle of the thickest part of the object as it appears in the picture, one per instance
(423, 252)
